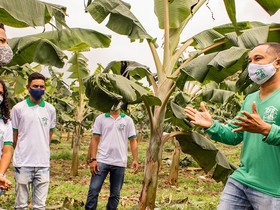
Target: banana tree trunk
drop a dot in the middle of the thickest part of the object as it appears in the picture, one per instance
(153, 160)
(76, 146)
(150, 181)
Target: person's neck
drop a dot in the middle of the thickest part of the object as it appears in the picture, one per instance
(115, 114)
(270, 86)
(35, 101)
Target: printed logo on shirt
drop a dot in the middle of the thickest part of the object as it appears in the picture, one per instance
(270, 114)
(44, 121)
(121, 126)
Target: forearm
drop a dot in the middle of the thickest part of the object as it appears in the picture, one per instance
(134, 149)
(51, 134)
(7, 153)
(93, 146)
(15, 138)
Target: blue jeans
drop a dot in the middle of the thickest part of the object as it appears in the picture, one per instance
(36, 177)
(116, 182)
(237, 196)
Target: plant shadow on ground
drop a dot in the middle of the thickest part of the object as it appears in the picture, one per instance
(195, 190)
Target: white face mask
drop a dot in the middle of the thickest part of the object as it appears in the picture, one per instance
(261, 73)
(1, 99)
(6, 55)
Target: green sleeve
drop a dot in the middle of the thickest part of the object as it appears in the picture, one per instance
(224, 134)
(273, 137)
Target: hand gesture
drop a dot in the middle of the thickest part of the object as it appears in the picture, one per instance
(202, 118)
(94, 168)
(252, 122)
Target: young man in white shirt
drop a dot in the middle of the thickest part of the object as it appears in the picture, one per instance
(33, 121)
(109, 150)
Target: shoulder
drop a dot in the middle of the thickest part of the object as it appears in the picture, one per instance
(252, 95)
(20, 105)
(127, 118)
(100, 117)
(7, 125)
(49, 106)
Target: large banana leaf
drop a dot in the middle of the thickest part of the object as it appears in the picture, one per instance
(25, 13)
(230, 7)
(175, 113)
(76, 39)
(78, 68)
(47, 48)
(270, 6)
(104, 90)
(205, 154)
(200, 148)
(179, 11)
(32, 49)
(121, 20)
(129, 69)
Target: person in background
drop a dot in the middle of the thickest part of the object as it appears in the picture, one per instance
(6, 132)
(256, 183)
(33, 121)
(109, 152)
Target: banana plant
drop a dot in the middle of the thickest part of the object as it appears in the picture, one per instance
(219, 53)
(79, 71)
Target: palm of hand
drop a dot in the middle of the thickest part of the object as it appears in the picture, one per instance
(203, 119)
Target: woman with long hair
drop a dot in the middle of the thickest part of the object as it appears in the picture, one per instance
(6, 136)
(6, 132)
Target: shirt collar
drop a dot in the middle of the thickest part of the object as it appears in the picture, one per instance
(108, 114)
(30, 103)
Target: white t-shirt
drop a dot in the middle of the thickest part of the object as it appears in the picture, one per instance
(33, 124)
(114, 135)
(6, 134)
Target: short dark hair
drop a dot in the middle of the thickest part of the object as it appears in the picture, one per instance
(2, 26)
(272, 46)
(35, 75)
(4, 107)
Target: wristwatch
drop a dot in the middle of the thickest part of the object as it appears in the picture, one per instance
(91, 160)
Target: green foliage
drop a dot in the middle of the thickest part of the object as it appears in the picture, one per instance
(33, 13)
(118, 12)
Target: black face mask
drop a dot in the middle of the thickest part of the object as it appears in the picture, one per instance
(36, 93)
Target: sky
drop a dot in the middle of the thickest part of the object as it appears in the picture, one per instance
(122, 49)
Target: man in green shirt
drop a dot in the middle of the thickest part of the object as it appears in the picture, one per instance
(256, 183)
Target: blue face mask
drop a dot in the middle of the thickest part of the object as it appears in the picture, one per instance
(36, 93)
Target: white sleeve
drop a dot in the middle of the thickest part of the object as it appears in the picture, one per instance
(14, 118)
(53, 119)
(131, 129)
(97, 126)
(9, 132)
